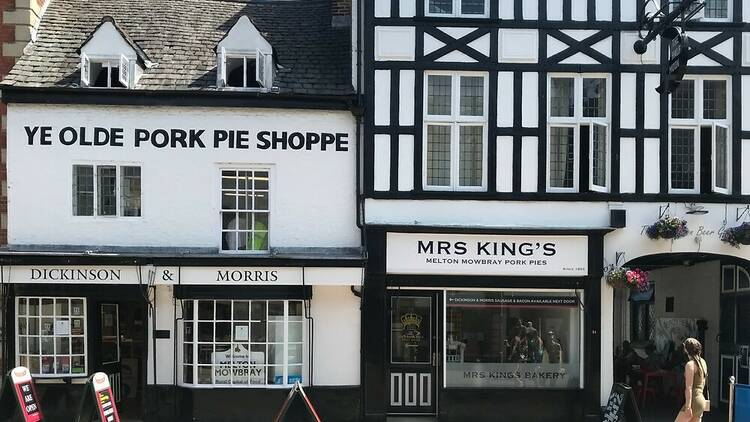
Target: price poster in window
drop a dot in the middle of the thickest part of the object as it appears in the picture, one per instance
(26, 396)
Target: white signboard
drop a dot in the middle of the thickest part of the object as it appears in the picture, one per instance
(67, 274)
(239, 363)
(501, 255)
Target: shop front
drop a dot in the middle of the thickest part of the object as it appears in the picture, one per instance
(481, 324)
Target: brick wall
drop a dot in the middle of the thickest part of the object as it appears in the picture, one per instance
(341, 13)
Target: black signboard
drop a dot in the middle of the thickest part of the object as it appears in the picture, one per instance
(97, 402)
(621, 405)
(297, 407)
(18, 399)
(679, 49)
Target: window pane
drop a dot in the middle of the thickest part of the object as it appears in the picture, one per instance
(471, 153)
(235, 72)
(717, 9)
(594, 97)
(683, 100)
(441, 6)
(683, 158)
(472, 7)
(245, 191)
(107, 181)
(714, 99)
(83, 190)
(721, 158)
(411, 329)
(439, 95)
(130, 191)
(599, 154)
(561, 157)
(438, 155)
(472, 96)
(562, 103)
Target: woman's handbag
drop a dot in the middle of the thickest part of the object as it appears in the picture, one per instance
(707, 396)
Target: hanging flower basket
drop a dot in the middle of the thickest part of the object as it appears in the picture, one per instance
(667, 227)
(737, 236)
(625, 278)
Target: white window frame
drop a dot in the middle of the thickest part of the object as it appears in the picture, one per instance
(118, 189)
(737, 279)
(108, 63)
(576, 121)
(195, 365)
(220, 222)
(457, 12)
(697, 121)
(263, 69)
(455, 121)
(85, 335)
(727, 19)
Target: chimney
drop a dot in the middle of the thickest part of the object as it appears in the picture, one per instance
(341, 13)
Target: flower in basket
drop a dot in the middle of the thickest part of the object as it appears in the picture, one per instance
(667, 227)
(737, 236)
(617, 278)
(637, 279)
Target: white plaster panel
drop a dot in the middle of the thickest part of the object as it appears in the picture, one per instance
(745, 95)
(481, 44)
(180, 186)
(530, 9)
(702, 36)
(106, 43)
(406, 98)
(701, 60)
(627, 100)
(529, 163)
(627, 165)
(579, 58)
(164, 347)
(394, 43)
(578, 10)
(530, 92)
(652, 7)
(382, 163)
(629, 56)
(628, 10)
(507, 9)
(405, 162)
(518, 45)
(456, 32)
(726, 48)
(604, 10)
(382, 8)
(579, 34)
(337, 336)
(554, 46)
(505, 99)
(604, 46)
(431, 44)
(383, 99)
(651, 178)
(408, 8)
(745, 167)
(746, 49)
(745, 14)
(555, 10)
(651, 101)
(244, 36)
(607, 340)
(504, 176)
(456, 56)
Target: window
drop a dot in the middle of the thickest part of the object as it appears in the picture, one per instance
(244, 70)
(455, 131)
(460, 8)
(242, 342)
(716, 9)
(578, 113)
(51, 334)
(106, 72)
(699, 109)
(96, 190)
(533, 339)
(244, 210)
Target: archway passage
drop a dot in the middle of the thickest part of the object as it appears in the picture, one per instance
(701, 295)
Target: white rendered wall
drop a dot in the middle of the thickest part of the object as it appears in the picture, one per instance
(312, 192)
(164, 305)
(337, 336)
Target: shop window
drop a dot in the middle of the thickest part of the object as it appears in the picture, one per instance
(455, 122)
(96, 190)
(578, 116)
(105, 73)
(699, 124)
(51, 336)
(459, 8)
(242, 342)
(518, 339)
(245, 210)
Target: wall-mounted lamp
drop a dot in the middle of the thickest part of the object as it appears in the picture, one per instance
(695, 209)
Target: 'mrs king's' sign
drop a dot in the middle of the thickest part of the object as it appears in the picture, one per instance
(468, 254)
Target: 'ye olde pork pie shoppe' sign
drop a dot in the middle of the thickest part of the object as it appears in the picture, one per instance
(469, 254)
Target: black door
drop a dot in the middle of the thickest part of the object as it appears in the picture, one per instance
(109, 346)
(414, 352)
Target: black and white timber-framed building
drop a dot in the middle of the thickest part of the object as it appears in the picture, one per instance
(513, 151)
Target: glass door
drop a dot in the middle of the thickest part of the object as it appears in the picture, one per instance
(414, 353)
(109, 345)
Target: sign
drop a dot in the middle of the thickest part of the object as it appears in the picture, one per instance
(621, 405)
(679, 49)
(68, 274)
(238, 362)
(469, 254)
(299, 410)
(98, 400)
(19, 396)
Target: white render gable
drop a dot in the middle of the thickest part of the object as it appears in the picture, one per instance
(107, 43)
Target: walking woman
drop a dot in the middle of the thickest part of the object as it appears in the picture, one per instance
(695, 381)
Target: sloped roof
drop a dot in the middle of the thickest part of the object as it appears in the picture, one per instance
(142, 56)
(180, 37)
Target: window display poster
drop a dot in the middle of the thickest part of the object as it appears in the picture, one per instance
(26, 394)
(62, 327)
(239, 363)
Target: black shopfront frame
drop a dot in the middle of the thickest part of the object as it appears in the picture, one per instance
(481, 404)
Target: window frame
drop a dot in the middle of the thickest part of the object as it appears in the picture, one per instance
(118, 189)
(728, 157)
(455, 121)
(576, 121)
(220, 222)
(457, 11)
(699, 121)
(727, 19)
(262, 68)
(108, 62)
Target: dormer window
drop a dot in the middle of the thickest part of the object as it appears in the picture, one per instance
(242, 72)
(105, 74)
(244, 59)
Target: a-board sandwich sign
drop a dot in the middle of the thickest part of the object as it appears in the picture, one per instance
(301, 410)
(98, 401)
(19, 396)
(621, 405)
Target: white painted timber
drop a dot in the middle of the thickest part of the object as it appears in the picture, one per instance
(405, 162)
(504, 176)
(530, 93)
(529, 163)
(531, 9)
(555, 10)
(627, 101)
(408, 8)
(578, 10)
(505, 99)
(651, 179)
(507, 9)
(627, 165)
(382, 8)
(628, 10)
(651, 101)
(406, 98)
(604, 10)
(382, 163)
(383, 99)
(518, 45)
(394, 43)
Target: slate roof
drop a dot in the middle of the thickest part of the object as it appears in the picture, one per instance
(181, 35)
